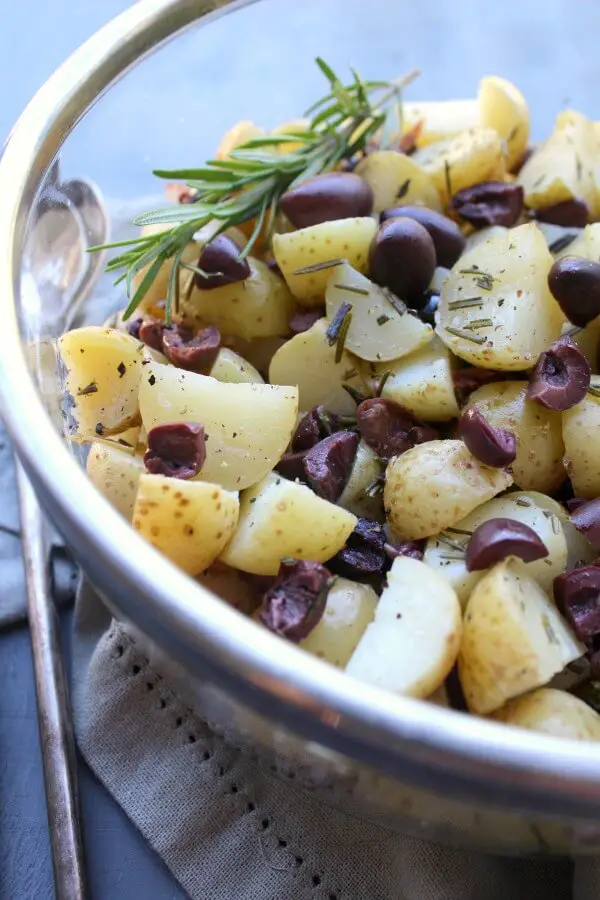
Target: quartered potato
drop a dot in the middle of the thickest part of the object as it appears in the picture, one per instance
(258, 307)
(421, 382)
(552, 712)
(483, 235)
(579, 549)
(503, 108)
(347, 239)
(366, 469)
(103, 370)
(514, 639)
(232, 368)
(116, 475)
(189, 521)
(496, 310)
(434, 485)
(247, 426)
(581, 434)
(538, 432)
(563, 167)
(446, 552)
(440, 119)
(397, 180)
(412, 643)
(464, 160)
(349, 611)
(307, 360)
(238, 134)
(378, 330)
(280, 518)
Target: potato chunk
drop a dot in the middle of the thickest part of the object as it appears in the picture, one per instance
(259, 307)
(232, 368)
(581, 433)
(378, 331)
(538, 466)
(366, 469)
(466, 159)
(396, 180)
(413, 641)
(280, 518)
(116, 475)
(347, 239)
(421, 382)
(514, 639)
(308, 361)
(440, 119)
(247, 426)
(189, 521)
(103, 371)
(496, 310)
(503, 108)
(446, 552)
(552, 712)
(349, 610)
(434, 485)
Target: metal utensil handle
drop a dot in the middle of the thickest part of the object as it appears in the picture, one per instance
(54, 715)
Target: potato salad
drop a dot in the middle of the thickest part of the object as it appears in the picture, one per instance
(354, 390)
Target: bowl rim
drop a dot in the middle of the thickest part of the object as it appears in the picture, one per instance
(440, 750)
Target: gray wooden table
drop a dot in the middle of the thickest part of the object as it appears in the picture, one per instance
(556, 59)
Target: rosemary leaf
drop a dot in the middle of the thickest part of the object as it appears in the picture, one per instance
(352, 289)
(464, 335)
(328, 264)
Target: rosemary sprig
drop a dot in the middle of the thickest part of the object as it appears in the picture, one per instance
(249, 184)
(338, 329)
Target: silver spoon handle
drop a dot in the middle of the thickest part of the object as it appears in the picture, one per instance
(54, 715)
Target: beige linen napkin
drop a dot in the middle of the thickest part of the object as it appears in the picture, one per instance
(228, 827)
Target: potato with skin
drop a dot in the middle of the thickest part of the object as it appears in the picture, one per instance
(412, 643)
(538, 465)
(434, 485)
(449, 559)
(348, 239)
(513, 317)
(396, 180)
(232, 368)
(514, 639)
(349, 611)
(258, 307)
(581, 433)
(552, 712)
(579, 549)
(466, 159)
(247, 426)
(116, 475)
(280, 518)
(378, 331)
(189, 521)
(503, 107)
(562, 167)
(103, 372)
(440, 119)
(421, 382)
(366, 469)
(307, 360)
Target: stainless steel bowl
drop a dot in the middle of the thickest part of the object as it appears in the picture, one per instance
(410, 765)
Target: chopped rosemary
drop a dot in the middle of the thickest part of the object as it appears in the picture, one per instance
(381, 320)
(459, 531)
(350, 288)
(561, 243)
(335, 326)
(483, 280)
(248, 185)
(521, 501)
(447, 178)
(92, 388)
(403, 189)
(352, 392)
(444, 539)
(395, 302)
(478, 323)
(451, 556)
(349, 373)
(463, 334)
(376, 487)
(466, 303)
(382, 382)
(327, 264)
